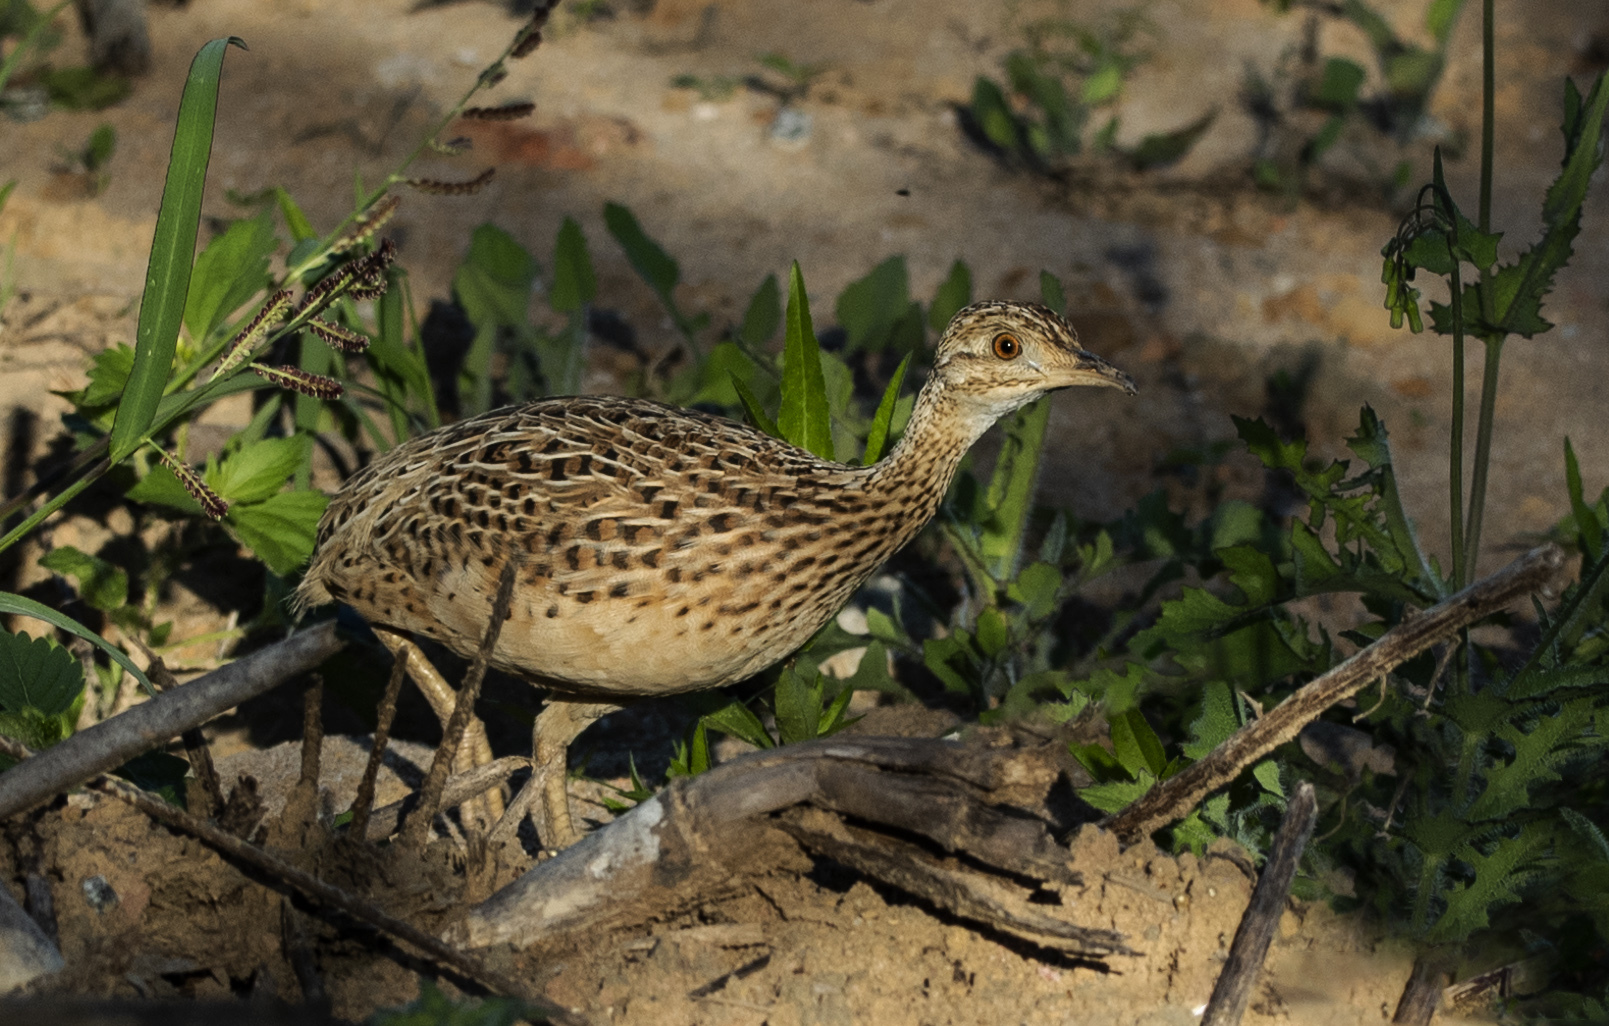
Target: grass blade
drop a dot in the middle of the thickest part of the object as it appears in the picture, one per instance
(167, 277)
(19, 606)
(804, 418)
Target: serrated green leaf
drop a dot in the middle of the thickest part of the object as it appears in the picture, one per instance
(869, 308)
(804, 417)
(1009, 500)
(261, 469)
(280, 529)
(877, 438)
(1215, 723)
(1117, 795)
(167, 277)
(232, 269)
(764, 313)
(1037, 587)
(100, 584)
(108, 374)
(160, 487)
(574, 284)
(1586, 519)
(37, 674)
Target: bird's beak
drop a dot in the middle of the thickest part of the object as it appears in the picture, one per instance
(1089, 369)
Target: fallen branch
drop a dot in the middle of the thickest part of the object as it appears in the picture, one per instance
(1232, 993)
(1177, 796)
(112, 742)
(984, 854)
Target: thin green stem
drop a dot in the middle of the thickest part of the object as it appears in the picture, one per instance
(61, 499)
(1488, 110)
(1455, 443)
(1483, 449)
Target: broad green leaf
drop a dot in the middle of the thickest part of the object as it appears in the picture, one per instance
(1216, 722)
(954, 293)
(798, 708)
(101, 585)
(494, 282)
(1115, 796)
(33, 728)
(877, 438)
(1338, 84)
(259, 470)
(872, 673)
(1266, 773)
(738, 720)
(1103, 86)
(1136, 744)
(167, 277)
(281, 529)
(764, 314)
(18, 605)
(804, 418)
(232, 269)
(991, 111)
(1440, 16)
(1037, 588)
(992, 633)
(37, 674)
(869, 308)
(161, 488)
(940, 656)
(574, 284)
(650, 260)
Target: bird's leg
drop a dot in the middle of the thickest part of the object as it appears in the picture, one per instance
(546, 798)
(475, 750)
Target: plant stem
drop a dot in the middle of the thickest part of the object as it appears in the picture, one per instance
(1483, 448)
(1455, 444)
(1488, 111)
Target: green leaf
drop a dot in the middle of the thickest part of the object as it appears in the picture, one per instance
(108, 374)
(1338, 85)
(1216, 722)
(1586, 518)
(798, 707)
(84, 88)
(574, 284)
(1164, 148)
(1009, 500)
(1103, 86)
(736, 719)
(803, 418)
(17, 605)
(1117, 795)
(167, 277)
(992, 633)
(1266, 773)
(296, 222)
(877, 438)
(1439, 18)
(33, 728)
(1037, 588)
(764, 315)
(494, 282)
(940, 656)
(954, 293)
(161, 488)
(645, 255)
(753, 410)
(992, 113)
(399, 368)
(1136, 744)
(232, 269)
(100, 584)
(869, 308)
(280, 529)
(1051, 293)
(37, 674)
(254, 472)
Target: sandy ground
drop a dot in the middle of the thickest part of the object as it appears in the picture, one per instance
(1198, 285)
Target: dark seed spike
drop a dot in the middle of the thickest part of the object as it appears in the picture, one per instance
(436, 187)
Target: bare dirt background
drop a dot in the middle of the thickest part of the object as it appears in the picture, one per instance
(1189, 279)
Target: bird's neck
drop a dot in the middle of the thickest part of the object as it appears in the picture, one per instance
(911, 481)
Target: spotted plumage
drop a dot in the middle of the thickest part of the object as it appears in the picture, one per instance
(661, 550)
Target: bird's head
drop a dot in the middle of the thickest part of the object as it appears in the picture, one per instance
(997, 357)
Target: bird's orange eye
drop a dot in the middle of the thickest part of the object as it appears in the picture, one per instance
(1007, 347)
